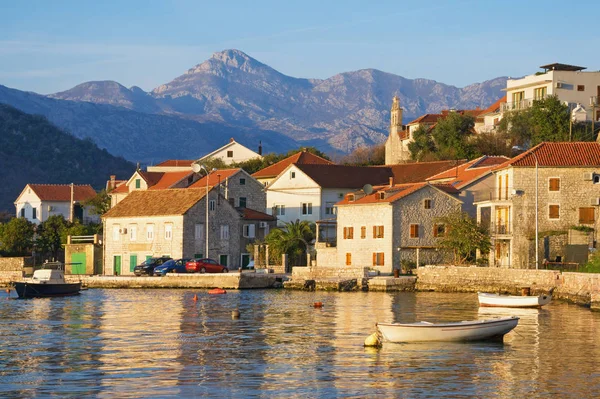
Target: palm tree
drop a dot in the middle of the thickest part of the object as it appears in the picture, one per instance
(292, 239)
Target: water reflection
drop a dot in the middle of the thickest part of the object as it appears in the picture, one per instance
(162, 343)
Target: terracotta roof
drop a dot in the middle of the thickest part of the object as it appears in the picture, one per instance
(434, 118)
(175, 201)
(569, 154)
(151, 177)
(123, 188)
(342, 176)
(168, 179)
(215, 177)
(466, 173)
(302, 157)
(419, 171)
(62, 192)
(251, 214)
(495, 107)
(427, 118)
(177, 162)
(392, 194)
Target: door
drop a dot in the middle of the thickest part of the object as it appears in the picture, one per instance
(245, 260)
(132, 262)
(117, 265)
(223, 260)
(78, 263)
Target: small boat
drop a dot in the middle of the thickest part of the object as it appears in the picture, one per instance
(217, 291)
(46, 283)
(512, 301)
(423, 331)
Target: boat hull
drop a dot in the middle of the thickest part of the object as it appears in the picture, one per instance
(36, 290)
(508, 301)
(479, 330)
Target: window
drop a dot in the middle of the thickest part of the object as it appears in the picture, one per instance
(242, 182)
(132, 232)
(34, 213)
(539, 93)
(378, 259)
(439, 230)
(414, 231)
(554, 211)
(329, 208)
(596, 179)
(242, 202)
(224, 232)
(307, 208)
(348, 259)
(292, 175)
(586, 215)
(427, 204)
(580, 87)
(377, 231)
(496, 121)
(22, 212)
(168, 231)
(348, 233)
(554, 184)
(249, 230)
(229, 154)
(517, 98)
(278, 210)
(138, 183)
(363, 232)
(150, 232)
(116, 231)
(212, 204)
(199, 231)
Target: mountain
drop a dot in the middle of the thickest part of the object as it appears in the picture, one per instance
(232, 91)
(32, 150)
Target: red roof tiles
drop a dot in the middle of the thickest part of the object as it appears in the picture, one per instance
(62, 192)
(419, 171)
(251, 214)
(302, 157)
(573, 154)
(168, 179)
(177, 162)
(215, 177)
(466, 173)
(386, 194)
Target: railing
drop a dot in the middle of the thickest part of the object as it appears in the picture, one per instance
(518, 105)
(480, 196)
(500, 229)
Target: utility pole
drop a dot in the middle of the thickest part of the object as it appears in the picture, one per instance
(71, 203)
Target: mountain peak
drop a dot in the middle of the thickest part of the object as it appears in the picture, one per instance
(233, 57)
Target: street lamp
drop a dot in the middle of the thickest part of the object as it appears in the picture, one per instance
(537, 248)
(196, 168)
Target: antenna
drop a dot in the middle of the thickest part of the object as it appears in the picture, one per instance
(368, 189)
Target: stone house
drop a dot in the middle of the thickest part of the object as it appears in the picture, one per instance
(266, 175)
(388, 226)
(37, 202)
(567, 177)
(232, 152)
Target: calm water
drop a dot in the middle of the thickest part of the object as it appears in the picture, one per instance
(160, 343)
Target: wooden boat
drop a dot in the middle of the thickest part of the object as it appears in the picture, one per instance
(217, 291)
(46, 283)
(423, 331)
(511, 301)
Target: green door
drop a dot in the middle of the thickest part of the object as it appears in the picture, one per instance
(223, 260)
(78, 263)
(117, 263)
(132, 262)
(245, 260)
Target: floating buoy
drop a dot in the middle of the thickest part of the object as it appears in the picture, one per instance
(217, 291)
(318, 304)
(235, 314)
(195, 297)
(8, 290)
(373, 340)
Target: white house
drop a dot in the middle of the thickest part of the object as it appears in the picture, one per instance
(232, 152)
(37, 202)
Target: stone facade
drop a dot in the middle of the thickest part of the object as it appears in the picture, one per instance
(242, 185)
(93, 256)
(396, 145)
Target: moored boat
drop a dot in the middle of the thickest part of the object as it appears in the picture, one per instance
(423, 331)
(512, 301)
(46, 283)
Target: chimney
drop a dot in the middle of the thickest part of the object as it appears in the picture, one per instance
(231, 140)
(391, 181)
(260, 148)
(112, 181)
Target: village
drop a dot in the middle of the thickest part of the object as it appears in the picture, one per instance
(538, 207)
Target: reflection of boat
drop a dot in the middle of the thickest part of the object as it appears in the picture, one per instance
(477, 330)
(46, 283)
(511, 301)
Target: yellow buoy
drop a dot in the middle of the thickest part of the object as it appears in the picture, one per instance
(373, 340)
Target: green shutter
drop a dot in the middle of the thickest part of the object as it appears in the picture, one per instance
(117, 263)
(132, 262)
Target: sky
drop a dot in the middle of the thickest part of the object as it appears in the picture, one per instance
(51, 46)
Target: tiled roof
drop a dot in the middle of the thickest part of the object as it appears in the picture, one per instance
(433, 118)
(121, 189)
(62, 192)
(570, 154)
(176, 201)
(342, 176)
(251, 214)
(419, 171)
(168, 179)
(177, 162)
(150, 177)
(495, 107)
(215, 177)
(427, 118)
(302, 157)
(392, 194)
(468, 172)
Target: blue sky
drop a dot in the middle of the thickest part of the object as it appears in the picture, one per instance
(50, 46)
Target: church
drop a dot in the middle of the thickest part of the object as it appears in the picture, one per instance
(396, 146)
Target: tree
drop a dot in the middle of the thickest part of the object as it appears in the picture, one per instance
(365, 156)
(16, 237)
(452, 137)
(292, 239)
(51, 235)
(423, 147)
(99, 204)
(463, 237)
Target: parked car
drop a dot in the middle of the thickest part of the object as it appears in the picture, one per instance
(147, 267)
(205, 265)
(171, 266)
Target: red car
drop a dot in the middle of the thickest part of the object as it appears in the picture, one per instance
(205, 265)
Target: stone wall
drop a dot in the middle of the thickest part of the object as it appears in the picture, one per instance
(13, 268)
(325, 273)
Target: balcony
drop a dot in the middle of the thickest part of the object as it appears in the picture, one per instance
(500, 229)
(481, 196)
(519, 105)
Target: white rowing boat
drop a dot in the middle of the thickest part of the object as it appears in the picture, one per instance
(477, 330)
(511, 301)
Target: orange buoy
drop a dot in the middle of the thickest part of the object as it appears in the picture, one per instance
(195, 297)
(217, 291)
(8, 290)
(318, 304)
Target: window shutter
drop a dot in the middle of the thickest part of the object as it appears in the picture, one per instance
(554, 184)
(363, 232)
(374, 231)
(374, 258)
(348, 259)
(381, 232)
(435, 230)
(382, 259)
(586, 215)
(554, 211)
(345, 233)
